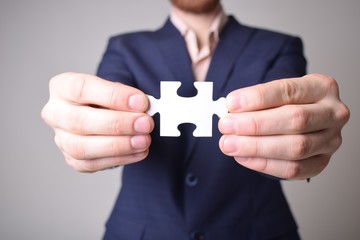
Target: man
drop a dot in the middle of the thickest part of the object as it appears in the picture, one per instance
(186, 187)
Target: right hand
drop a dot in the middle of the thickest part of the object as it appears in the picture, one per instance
(98, 124)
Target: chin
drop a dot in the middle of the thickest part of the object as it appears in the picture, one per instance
(196, 6)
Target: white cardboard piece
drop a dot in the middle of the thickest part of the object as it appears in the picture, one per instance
(175, 109)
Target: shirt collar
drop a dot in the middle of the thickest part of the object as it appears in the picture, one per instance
(215, 28)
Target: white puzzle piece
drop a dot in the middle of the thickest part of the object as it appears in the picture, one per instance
(175, 109)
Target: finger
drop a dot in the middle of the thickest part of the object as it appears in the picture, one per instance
(307, 89)
(288, 119)
(88, 89)
(85, 120)
(291, 170)
(286, 147)
(96, 147)
(99, 164)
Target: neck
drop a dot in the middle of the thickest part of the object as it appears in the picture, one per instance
(199, 23)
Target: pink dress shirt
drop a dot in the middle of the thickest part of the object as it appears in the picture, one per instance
(200, 58)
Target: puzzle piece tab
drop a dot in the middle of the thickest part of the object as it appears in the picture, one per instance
(175, 109)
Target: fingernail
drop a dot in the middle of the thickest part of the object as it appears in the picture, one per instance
(229, 144)
(227, 125)
(233, 102)
(136, 102)
(142, 125)
(139, 142)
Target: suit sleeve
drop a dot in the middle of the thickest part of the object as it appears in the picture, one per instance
(289, 62)
(113, 66)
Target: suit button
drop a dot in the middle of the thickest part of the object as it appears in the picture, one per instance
(191, 180)
(197, 236)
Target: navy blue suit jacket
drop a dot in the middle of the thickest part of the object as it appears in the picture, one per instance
(187, 188)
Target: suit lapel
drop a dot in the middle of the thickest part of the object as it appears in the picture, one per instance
(173, 49)
(233, 39)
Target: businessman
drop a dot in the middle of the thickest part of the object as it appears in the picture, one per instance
(282, 124)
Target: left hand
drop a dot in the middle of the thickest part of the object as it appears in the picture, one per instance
(286, 128)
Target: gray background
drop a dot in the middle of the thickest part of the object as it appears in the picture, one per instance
(42, 198)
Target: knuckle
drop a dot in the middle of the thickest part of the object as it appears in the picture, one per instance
(88, 167)
(257, 148)
(74, 163)
(74, 147)
(83, 166)
(323, 77)
(292, 170)
(57, 140)
(45, 114)
(329, 83)
(71, 162)
(288, 90)
(260, 96)
(117, 126)
(71, 86)
(254, 126)
(74, 121)
(76, 83)
(113, 97)
(60, 81)
(299, 119)
(50, 112)
(300, 146)
(54, 82)
(336, 142)
(117, 147)
(342, 114)
(261, 164)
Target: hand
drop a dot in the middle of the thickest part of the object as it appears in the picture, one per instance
(286, 128)
(98, 124)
